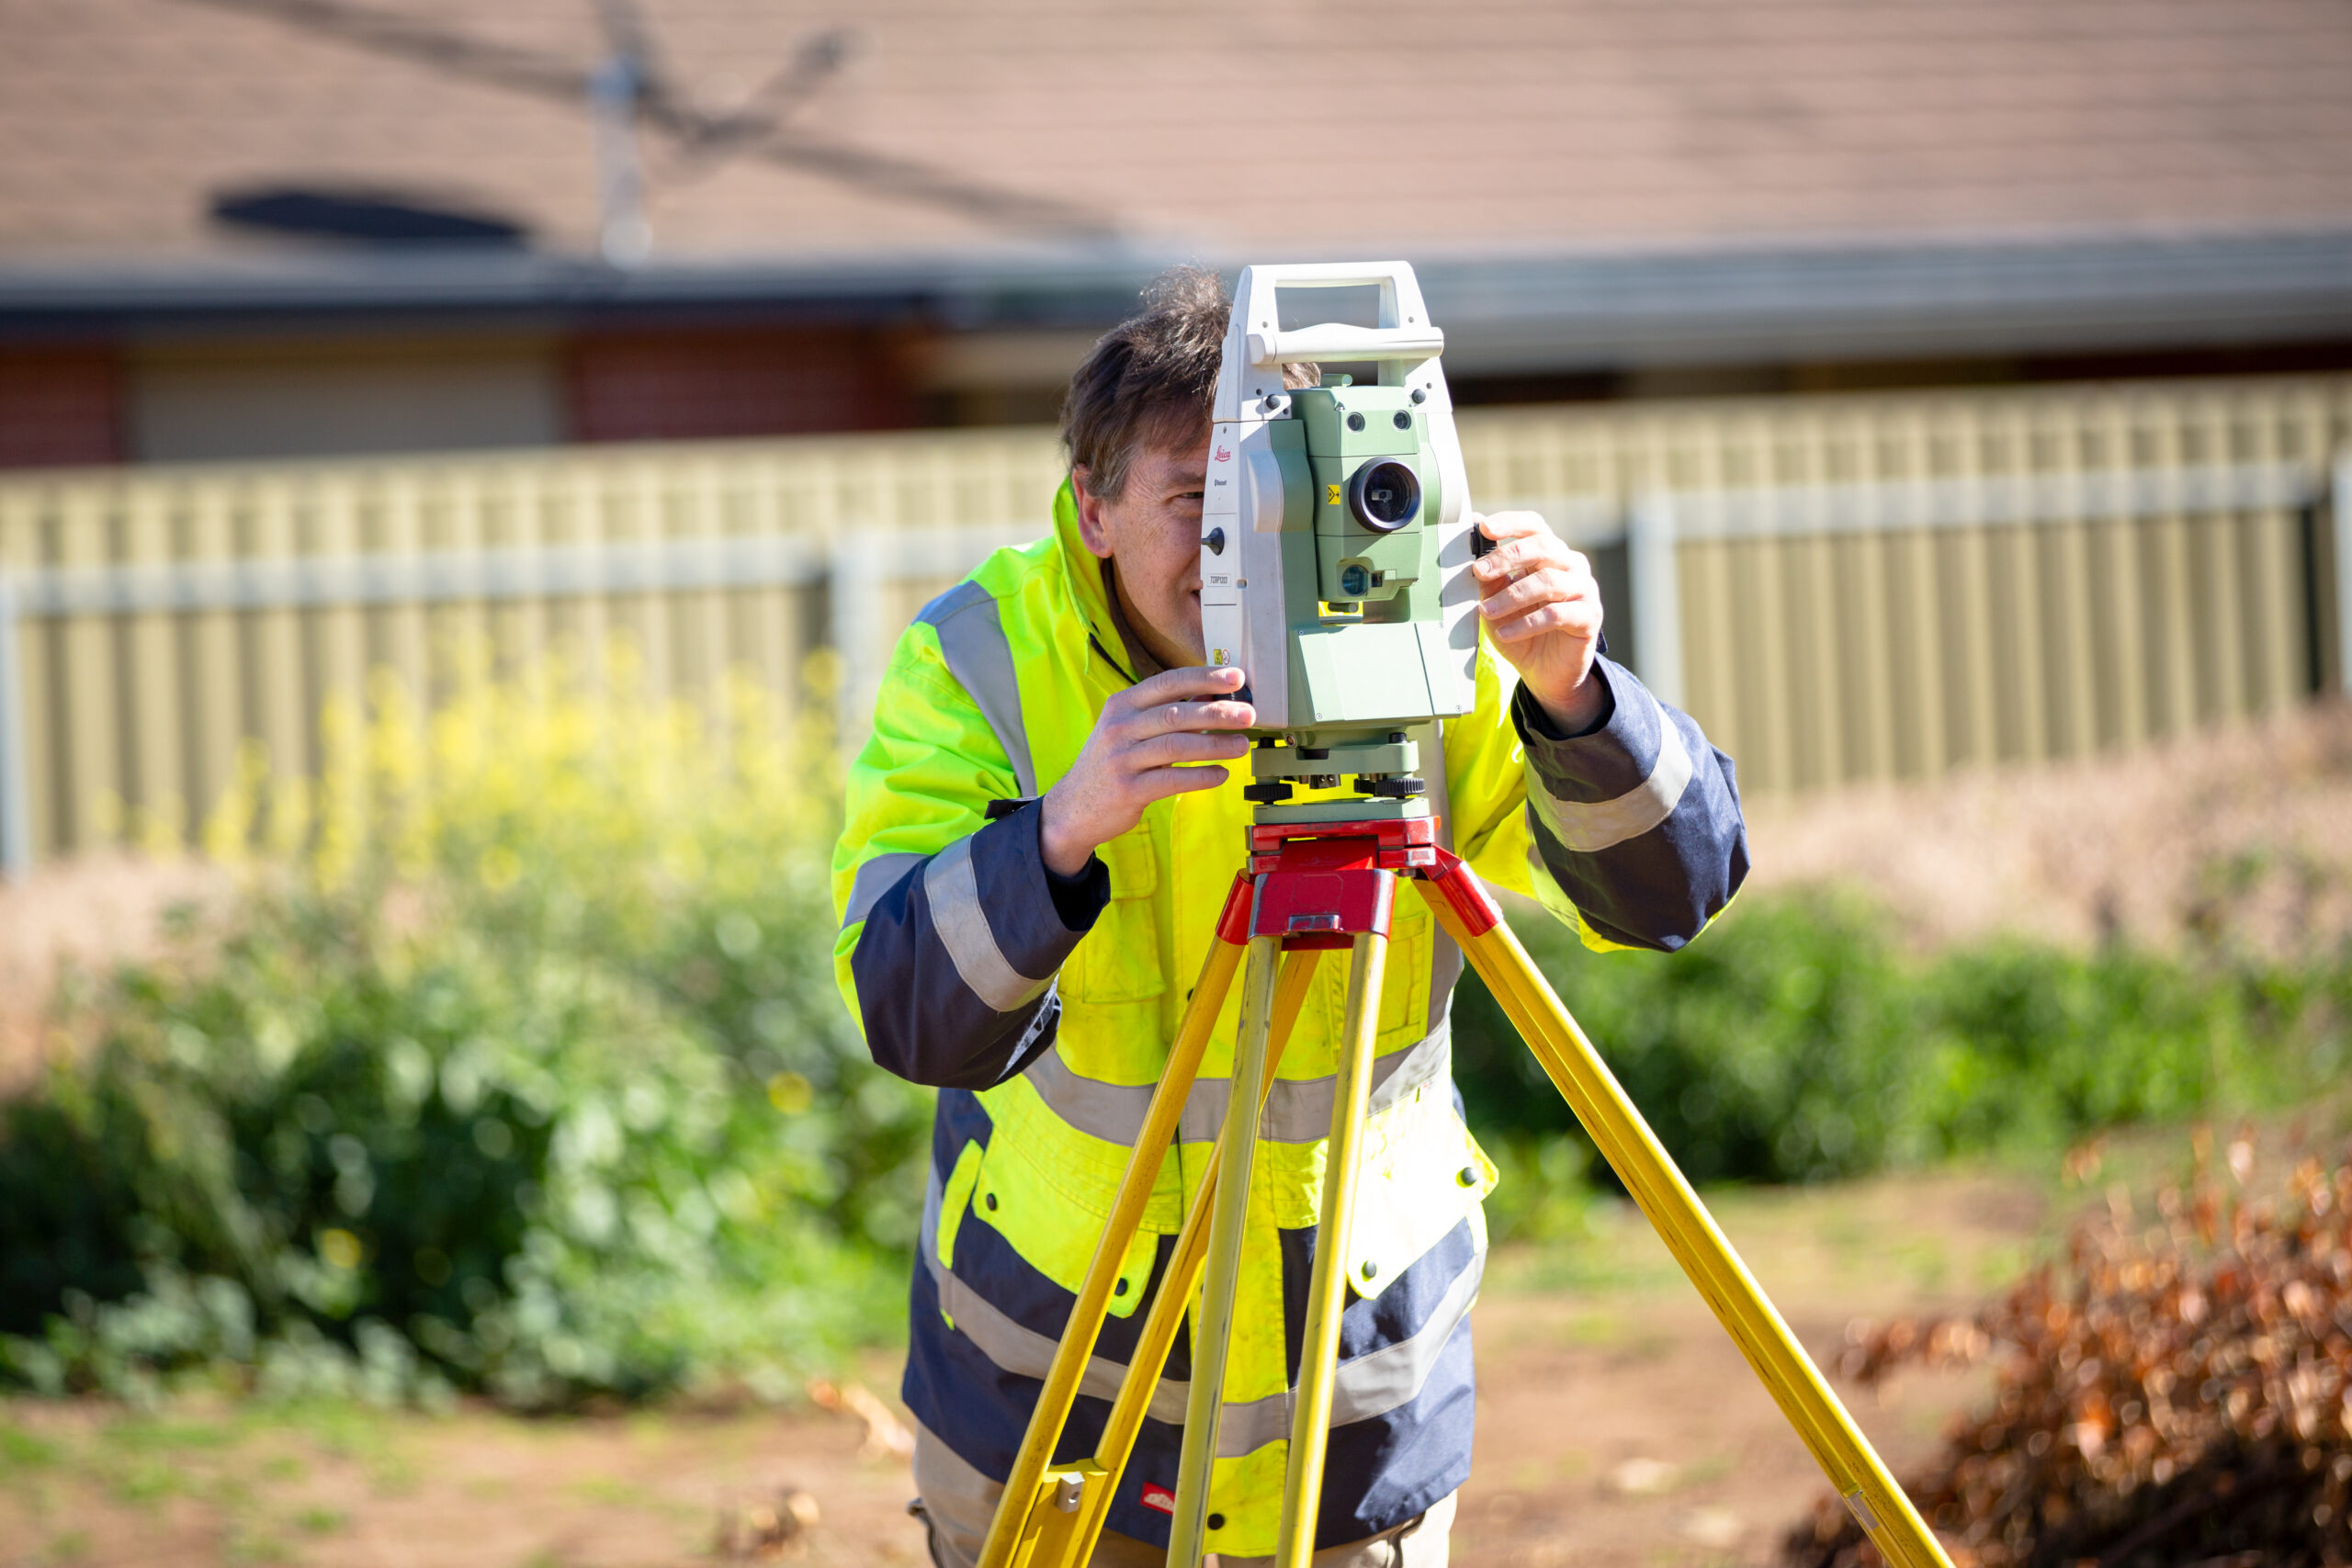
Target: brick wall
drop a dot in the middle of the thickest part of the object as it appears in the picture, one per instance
(60, 406)
(691, 385)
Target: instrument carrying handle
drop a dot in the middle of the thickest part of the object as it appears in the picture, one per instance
(1404, 332)
(1332, 341)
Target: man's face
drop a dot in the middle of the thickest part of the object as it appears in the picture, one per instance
(1152, 536)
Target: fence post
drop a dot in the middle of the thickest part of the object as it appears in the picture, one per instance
(15, 777)
(1657, 596)
(852, 581)
(2339, 506)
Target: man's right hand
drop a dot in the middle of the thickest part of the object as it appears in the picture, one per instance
(1144, 748)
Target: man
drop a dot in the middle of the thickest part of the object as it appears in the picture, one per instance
(1040, 832)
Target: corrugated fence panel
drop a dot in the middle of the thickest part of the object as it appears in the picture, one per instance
(1892, 585)
(1843, 588)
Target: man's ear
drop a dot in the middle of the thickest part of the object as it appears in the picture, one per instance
(1091, 526)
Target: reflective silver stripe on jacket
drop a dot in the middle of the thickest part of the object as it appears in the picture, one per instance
(953, 890)
(1585, 827)
(972, 642)
(875, 878)
(1370, 1385)
(1298, 1110)
(1445, 972)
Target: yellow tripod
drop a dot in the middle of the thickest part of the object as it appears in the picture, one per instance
(1313, 886)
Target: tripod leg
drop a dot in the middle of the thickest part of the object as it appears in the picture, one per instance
(1167, 1308)
(1212, 1322)
(1011, 1522)
(1310, 1427)
(1876, 1500)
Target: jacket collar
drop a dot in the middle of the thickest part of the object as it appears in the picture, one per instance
(1082, 569)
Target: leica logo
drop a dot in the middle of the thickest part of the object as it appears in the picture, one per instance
(1225, 453)
(1157, 1497)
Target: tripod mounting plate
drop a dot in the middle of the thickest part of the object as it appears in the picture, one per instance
(1390, 843)
(1358, 812)
(1320, 884)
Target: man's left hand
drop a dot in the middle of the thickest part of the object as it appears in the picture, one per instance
(1543, 612)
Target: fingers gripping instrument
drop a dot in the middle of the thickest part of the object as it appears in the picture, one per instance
(1335, 529)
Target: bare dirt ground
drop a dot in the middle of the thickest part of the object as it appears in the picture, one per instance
(2242, 834)
(1617, 1424)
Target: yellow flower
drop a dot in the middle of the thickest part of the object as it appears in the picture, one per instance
(790, 1093)
(341, 1249)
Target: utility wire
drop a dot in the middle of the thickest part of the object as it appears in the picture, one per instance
(756, 128)
(763, 111)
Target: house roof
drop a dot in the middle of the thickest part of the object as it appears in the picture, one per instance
(1758, 164)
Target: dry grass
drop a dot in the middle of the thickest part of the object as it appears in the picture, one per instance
(2241, 835)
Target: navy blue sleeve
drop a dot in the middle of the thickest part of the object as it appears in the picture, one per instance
(955, 965)
(1636, 820)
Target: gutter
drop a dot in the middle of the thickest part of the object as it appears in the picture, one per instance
(1596, 309)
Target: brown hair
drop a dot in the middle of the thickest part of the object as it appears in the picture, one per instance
(1150, 381)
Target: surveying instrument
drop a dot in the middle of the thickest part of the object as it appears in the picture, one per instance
(1335, 538)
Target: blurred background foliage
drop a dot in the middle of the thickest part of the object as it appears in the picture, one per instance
(524, 1074)
(1797, 1041)
(516, 1066)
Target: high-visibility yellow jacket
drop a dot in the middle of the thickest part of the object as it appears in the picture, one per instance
(1044, 1008)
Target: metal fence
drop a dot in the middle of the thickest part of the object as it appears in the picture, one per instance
(1888, 586)
(1838, 588)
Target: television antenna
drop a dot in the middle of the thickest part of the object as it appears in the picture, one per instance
(629, 91)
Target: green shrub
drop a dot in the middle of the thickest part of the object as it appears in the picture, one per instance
(1795, 1042)
(531, 1079)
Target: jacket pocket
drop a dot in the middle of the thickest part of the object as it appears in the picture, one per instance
(1404, 986)
(1425, 1176)
(1053, 1232)
(1118, 961)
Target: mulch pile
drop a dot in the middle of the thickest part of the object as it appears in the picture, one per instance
(2170, 1396)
